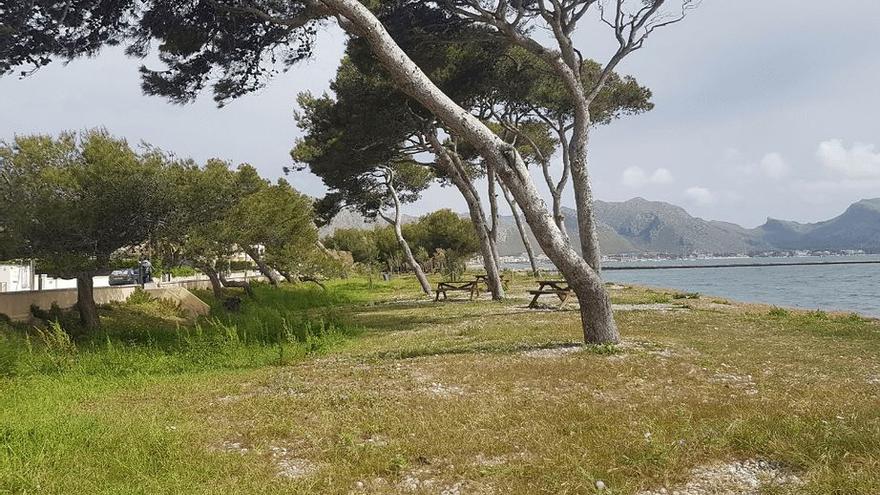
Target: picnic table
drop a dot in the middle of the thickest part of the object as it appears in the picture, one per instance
(558, 288)
(443, 287)
(484, 279)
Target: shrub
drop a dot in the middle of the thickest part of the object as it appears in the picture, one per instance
(139, 296)
(777, 312)
(818, 314)
(686, 295)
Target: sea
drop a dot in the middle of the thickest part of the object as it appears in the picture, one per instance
(850, 288)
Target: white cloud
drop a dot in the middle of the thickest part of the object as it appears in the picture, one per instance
(699, 195)
(662, 176)
(861, 161)
(637, 177)
(774, 166)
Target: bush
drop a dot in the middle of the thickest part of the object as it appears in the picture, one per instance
(139, 296)
(818, 314)
(778, 312)
(686, 295)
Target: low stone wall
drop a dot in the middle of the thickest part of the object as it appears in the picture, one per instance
(17, 305)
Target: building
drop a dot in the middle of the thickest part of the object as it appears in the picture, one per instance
(16, 278)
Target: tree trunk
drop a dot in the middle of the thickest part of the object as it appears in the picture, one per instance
(397, 223)
(527, 243)
(446, 161)
(314, 281)
(287, 276)
(558, 188)
(596, 313)
(493, 215)
(264, 268)
(216, 286)
(241, 284)
(85, 301)
(583, 191)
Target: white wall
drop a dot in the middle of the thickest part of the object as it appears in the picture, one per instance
(14, 278)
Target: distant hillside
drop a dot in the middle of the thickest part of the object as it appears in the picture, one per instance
(857, 228)
(350, 219)
(639, 226)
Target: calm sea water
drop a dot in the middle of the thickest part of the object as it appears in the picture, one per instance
(836, 287)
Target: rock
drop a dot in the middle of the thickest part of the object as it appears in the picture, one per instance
(600, 485)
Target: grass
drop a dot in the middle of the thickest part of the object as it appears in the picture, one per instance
(362, 390)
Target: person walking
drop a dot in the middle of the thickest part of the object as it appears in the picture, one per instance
(146, 271)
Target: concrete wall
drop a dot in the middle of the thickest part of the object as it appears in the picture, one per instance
(17, 305)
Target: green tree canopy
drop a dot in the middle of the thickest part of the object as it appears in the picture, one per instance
(71, 201)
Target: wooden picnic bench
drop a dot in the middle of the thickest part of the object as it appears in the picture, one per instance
(558, 288)
(483, 280)
(443, 287)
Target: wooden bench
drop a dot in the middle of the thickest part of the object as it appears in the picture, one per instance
(469, 287)
(559, 288)
(483, 281)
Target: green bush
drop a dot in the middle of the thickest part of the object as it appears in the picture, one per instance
(686, 295)
(818, 314)
(139, 296)
(778, 312)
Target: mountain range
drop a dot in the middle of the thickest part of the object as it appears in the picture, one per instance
(639, 226)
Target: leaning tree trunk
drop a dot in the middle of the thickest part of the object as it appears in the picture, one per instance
(85, 301)
(527, 243)
(216, 285)
(241, 284)
(446, 160)
(417, 268)
(287, 276)
(397, 223)
(264, 268)
(596, 314)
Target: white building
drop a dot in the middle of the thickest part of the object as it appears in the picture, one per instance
(15, 278)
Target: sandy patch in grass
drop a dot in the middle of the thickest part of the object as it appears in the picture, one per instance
(747, 477)
(647, 307)
(554, 352)
(425, 480)
(286, 464)
(295, 468)
(232, 447)
(735, 381)
(438, 389)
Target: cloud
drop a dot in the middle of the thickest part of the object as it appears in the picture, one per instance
(774, 166)
(861, 161)
(637, 177)
(771, 166)
(699, 195)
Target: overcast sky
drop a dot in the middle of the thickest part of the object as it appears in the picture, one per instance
(763, 108)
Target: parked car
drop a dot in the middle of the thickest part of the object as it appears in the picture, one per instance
(126, 276)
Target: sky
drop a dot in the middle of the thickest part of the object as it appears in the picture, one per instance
(763, 109)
